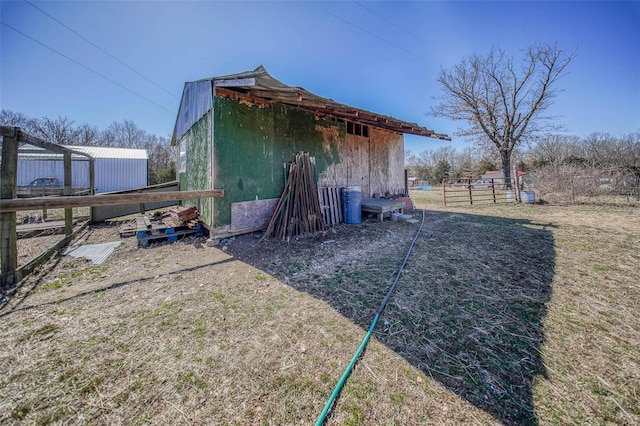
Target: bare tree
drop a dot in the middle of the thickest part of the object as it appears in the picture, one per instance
(555, 150)
(125, 134)
(18, 119)
(59, 130)
(502, 100)
(88, 135)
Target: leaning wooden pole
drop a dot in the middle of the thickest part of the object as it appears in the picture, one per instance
(8, 239)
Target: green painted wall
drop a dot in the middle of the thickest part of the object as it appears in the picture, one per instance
(198, 170)
(251, 146)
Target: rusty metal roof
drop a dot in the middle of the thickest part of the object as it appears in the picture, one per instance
(259, 85)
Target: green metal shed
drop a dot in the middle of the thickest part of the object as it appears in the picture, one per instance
(237, 132)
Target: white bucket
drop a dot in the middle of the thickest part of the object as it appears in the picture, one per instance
(528, 197)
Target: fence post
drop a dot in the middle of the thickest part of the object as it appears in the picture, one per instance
(444, 193)
(493, 191)
(8, 242)
(517, 184)
(68, 184)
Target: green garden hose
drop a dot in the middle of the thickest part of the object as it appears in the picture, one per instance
(363, 345)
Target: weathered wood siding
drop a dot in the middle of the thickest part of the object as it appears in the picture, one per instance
(375, 163)
(386, 162)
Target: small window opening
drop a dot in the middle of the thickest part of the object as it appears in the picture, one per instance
(350, 128)
(357, 129)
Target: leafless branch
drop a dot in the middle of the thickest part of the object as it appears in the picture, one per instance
(502, 102)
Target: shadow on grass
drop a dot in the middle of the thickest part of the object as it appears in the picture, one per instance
(469, 307)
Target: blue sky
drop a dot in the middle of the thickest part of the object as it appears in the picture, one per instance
(380, 56)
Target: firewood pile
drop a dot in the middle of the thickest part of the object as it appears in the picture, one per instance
(180, 216)
(298, 211)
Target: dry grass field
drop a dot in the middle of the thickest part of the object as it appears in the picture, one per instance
(513, 314)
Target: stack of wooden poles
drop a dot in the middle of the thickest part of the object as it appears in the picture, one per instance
(298, 210)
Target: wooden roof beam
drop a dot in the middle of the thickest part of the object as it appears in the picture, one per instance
(21, 136)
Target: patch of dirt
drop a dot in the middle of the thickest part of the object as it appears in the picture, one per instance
(320, 253)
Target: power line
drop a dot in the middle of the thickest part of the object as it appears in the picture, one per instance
(101, 49)
(372, 34)
(388, 20)
(86, 67)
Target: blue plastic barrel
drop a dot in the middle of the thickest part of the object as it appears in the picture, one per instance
(351, 204)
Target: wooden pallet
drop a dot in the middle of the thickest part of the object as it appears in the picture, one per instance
(159, 231)
(331, 205)
(128, 229)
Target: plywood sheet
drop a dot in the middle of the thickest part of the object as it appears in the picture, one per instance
(250, 214)
(386, 162)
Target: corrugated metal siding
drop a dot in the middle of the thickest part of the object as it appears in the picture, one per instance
(97, 253)
(29, 170)
(197, 100)
(114, 174)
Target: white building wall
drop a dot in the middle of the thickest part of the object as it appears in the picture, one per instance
(29, 170)
(115, 174)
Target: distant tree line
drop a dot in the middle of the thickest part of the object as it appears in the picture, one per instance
(125, 134)
(569, 167)
(558, 166)
(434, 165)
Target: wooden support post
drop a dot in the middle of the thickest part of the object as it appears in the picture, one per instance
(143, 210)
(67, 190)
(8, 241)
(406, 182)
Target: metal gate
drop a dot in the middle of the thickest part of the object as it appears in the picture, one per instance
(479, 191)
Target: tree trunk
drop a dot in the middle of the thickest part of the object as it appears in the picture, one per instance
(505, 159)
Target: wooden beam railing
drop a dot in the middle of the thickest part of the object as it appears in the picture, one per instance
(8, 267)
(21, 204)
